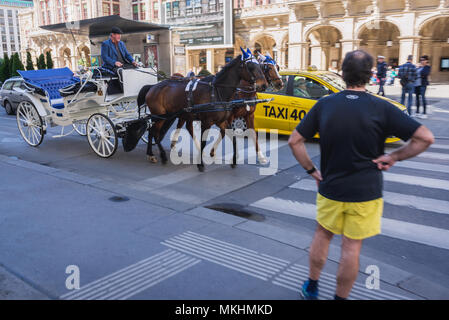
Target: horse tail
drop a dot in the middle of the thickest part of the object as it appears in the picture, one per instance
(142, 94)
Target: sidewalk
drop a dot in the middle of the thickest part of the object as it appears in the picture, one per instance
(433, 90)
(130, 248)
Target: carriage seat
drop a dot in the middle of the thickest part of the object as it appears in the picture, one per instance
(51, 81)
(104, 74)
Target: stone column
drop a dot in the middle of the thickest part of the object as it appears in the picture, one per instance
(408, 46)
(316, 56)
(346, 46)
(210, 58)
(296, 41)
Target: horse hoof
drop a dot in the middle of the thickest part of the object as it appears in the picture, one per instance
(173, 145)
(263, 160)
(201, 168)
(152, 159)
(164, 160)
(233, 166)
(212, 154)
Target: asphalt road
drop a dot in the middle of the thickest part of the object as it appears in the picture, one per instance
(43, 214)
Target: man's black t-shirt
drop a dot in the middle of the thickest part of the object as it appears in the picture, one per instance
(353, 126)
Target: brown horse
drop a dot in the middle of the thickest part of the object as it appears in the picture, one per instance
(271, 72)
(168, 99)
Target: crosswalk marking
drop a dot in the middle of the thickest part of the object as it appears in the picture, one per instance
(394, 228)
(226, 254)
(434, 155)
(440, 146)
(422, 166)
(398, 199)
(416, 180)
(135, 278)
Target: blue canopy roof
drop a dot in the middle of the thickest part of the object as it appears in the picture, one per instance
(46, 74)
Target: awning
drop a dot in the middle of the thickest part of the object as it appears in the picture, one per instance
(102, 26)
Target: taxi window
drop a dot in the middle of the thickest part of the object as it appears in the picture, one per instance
(282, 91)
(307, 88)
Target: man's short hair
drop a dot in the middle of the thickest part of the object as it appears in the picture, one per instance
(409, 58)
(357, 67)
(425, 57)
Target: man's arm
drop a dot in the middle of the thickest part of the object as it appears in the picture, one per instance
(419, 142)
(297, 144)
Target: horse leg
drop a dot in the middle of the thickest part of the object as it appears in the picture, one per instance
(222, 127)
(154, 133)
(234, 152)
(250, 121)
(203, 145)
(163, 131)
(176, 135)
(189, 127)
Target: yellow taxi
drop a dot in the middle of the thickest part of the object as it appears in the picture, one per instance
(301, 91)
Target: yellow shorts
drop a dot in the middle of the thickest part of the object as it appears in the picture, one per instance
(356, 220)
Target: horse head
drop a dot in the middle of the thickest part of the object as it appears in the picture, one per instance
(252, 71)
(271, 71)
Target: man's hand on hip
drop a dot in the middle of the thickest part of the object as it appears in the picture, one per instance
(384, 162)
(317, 176)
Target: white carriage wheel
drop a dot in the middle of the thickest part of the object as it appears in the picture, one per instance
(102, 135)
(80, 127)
(30, 123)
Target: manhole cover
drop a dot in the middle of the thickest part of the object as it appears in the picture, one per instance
(118, 199)
(236, 210)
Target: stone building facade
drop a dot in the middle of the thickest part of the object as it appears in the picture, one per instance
(65, 50)
(300, 33)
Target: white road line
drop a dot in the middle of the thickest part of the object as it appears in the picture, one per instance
(212, 259)
(232, 254)
(422, 166)
(238, 250)
(440, 146)
(393, 228)
(111, 285)
(148, 285)
(434, 155)
(120, 273)
(146, 281)
(417, 181)
(217, 256)
(397, 199)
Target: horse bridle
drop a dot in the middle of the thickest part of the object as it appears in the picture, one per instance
(266, 70)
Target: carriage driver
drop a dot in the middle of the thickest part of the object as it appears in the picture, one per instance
(114, 53)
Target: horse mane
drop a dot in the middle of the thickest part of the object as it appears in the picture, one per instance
(226, 68)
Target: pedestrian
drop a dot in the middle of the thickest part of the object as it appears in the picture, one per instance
(381, 74)
(421, 83)
(353, 125)
(407, 74)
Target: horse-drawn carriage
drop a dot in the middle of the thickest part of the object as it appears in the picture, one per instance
(96, 103)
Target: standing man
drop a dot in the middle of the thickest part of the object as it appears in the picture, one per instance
(407, 74)
(381, 74)
(423, 81)
(353, 126)
(114, 53)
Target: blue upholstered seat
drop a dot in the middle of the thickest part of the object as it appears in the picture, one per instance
(51, 81)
